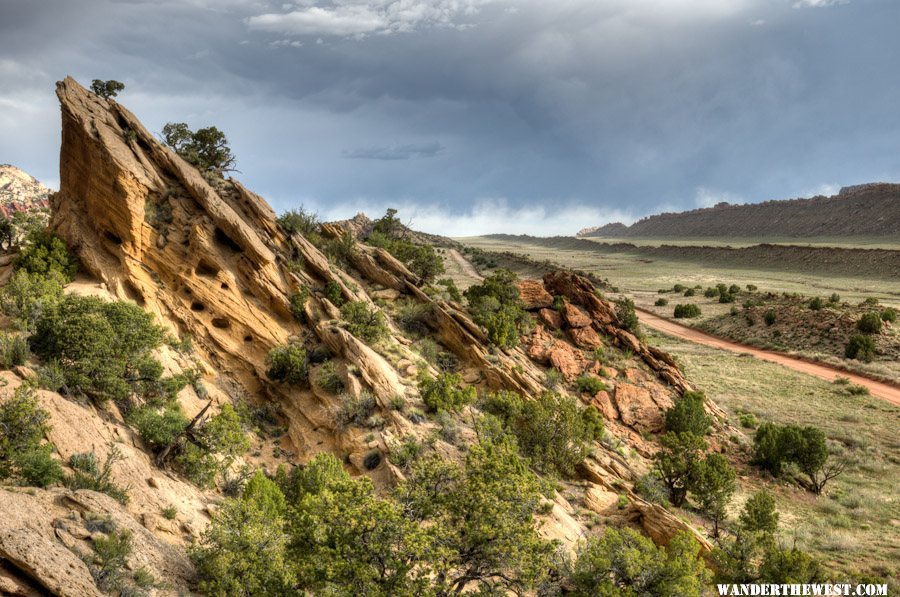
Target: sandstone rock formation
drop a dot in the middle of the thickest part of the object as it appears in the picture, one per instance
(208, 259)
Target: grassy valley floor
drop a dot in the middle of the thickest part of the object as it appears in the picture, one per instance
(855, 528)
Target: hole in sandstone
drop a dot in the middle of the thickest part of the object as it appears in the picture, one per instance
(112, 237)
(224, 286)
(207, 268)
(134, 294)
(222, 324)
(248, 338)
(227, 241)
(198, 306)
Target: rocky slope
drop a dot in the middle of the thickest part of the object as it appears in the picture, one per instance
(862, 210)
(207, 258)
(20, 191)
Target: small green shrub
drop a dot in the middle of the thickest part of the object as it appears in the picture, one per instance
(734, 289)
(726, 298)
(328, 378)
(688, 415)
(625, 562)
(834, 298)
(748, 420)
(159, 429)
(89, 474)
(213, 447)
(690, 292)
(364, 321)
(45, 253)
(206, 149)
(816, 304)
(627, 316)
(340, 250)
(288, 364)
(446, 392)
(751, 288)
(26, 297)
(298, 303)
(105, 347)
(170, 512)
(406, 452)
(355, 411)
(299, 221)
(870, 301)
(651, 488)
(869, 323)
(553, 430)
(587, 384)
(496, 305)
(13, 350)
(710, 292)
(450, 289)
(856, 390)
(334, 293)
(661, 302)
(23, 458)
(889, 315)
(686, 311)
(679, 288)
(413, 317)
(110, 559)
(553, 378)
(770, 317)
(861, 348)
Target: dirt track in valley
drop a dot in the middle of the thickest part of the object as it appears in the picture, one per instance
(467, 268)
(878, 389)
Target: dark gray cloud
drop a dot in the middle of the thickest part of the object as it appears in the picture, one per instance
(539, 116)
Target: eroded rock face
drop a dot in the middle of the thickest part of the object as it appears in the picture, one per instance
(148, 225)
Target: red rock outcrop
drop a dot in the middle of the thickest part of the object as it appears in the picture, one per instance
(533, 295)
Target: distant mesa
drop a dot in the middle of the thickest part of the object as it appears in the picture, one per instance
(20, 191)
(865, 210)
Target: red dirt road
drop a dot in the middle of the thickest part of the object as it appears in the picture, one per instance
(878, 389)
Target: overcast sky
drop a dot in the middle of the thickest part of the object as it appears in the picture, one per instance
(474, 116)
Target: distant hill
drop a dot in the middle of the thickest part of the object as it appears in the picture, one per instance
(861, 210)
(20, 191)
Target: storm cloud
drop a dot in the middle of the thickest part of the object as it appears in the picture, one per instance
(506, 115)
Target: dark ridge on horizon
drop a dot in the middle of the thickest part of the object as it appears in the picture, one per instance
(866, 210)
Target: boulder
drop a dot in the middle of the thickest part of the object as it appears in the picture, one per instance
(388, 294)
(46, 562)
(575, 316)
(550, 318)
(603, 402)
(637, 408)
(566, 359)
(586, 337)
(533, 295)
